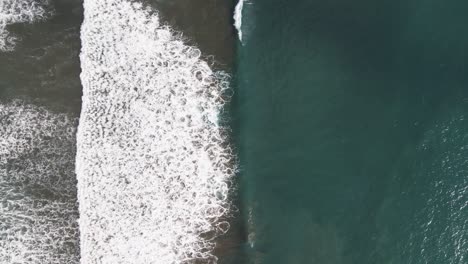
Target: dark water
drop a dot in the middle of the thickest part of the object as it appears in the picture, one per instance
(40, 99)
(353, 132)
(44, 68)
(206, 24)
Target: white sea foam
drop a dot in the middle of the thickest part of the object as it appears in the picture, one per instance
(38, 210)
(19, 11)
(238, 17)
(153, 165)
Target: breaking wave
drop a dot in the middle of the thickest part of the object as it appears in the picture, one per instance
(38, 209)
(19, 11)
(238, 18)
(153, 163)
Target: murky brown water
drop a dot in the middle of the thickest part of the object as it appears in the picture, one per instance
(44, 68)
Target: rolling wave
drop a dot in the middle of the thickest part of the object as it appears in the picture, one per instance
(238, 18)
(153, 162)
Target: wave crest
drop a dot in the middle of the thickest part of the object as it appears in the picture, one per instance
(238, 18)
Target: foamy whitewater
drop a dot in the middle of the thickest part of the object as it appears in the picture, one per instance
(153, 163)
(238, 18)
(38, 210)
(19, 11)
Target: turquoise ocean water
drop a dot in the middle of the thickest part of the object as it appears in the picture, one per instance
(351, 119)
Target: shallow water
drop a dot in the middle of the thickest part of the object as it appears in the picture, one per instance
(39, 105)
(207, 24)
(44, 66)
(42, 71)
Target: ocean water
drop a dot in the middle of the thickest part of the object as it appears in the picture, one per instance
(39, 105)
(180, 179)
(43, 64)
(351, 123)
(206, 24)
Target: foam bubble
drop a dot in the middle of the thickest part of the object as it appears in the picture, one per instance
(19, 11)
(153, 163)
(38, 209)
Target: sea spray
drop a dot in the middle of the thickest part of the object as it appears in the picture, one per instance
(19, 11)
(153, 163)
(38, 209)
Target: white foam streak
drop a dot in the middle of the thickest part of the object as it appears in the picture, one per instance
(38, 210)
(238, 18)
(153, 166)
(19, 11)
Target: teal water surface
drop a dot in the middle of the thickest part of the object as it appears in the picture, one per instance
(351, 120)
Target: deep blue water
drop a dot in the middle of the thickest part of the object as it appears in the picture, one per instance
(351, 120)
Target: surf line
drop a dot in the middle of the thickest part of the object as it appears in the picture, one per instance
(154, 165)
